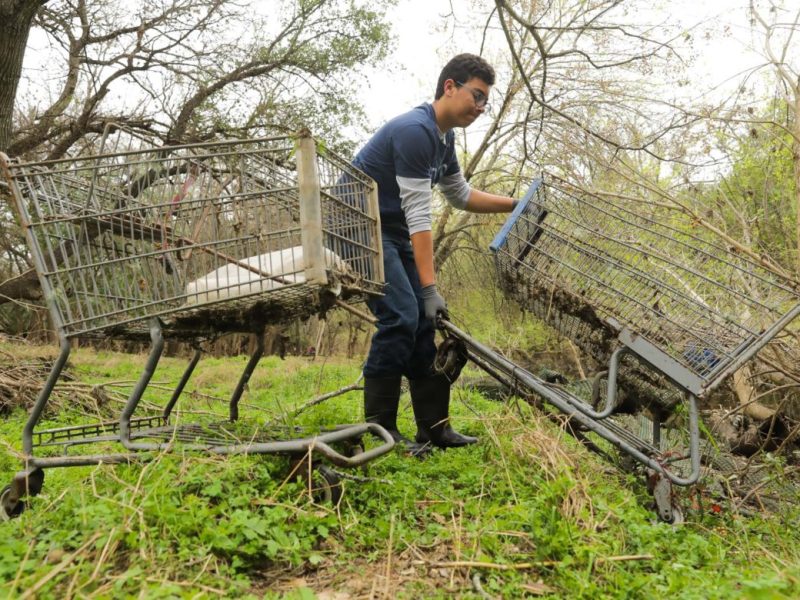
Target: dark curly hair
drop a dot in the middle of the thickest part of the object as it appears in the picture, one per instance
(462, 68)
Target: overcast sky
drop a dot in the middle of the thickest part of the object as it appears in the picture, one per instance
(426, 38)
(428, 32)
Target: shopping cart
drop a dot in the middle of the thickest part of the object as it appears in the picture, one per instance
(191, 242)
(671, 311)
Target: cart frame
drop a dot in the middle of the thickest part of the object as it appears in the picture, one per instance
(97, 225)
(655, 302)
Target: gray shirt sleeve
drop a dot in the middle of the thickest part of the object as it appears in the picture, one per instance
(415, 200)
(455, 189)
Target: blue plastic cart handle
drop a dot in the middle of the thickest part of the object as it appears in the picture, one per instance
(500, 238)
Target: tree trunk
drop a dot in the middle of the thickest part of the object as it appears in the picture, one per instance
(22, 287)
(745, 394)
(796, 161)
(15, 23)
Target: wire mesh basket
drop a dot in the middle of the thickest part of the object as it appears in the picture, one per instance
(222, 235)
(191, 241)
(670, 308)
(604, 271)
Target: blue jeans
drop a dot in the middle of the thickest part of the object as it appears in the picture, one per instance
(404, 343)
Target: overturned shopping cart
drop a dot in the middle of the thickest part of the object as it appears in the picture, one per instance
(666, 310)
(190, 242)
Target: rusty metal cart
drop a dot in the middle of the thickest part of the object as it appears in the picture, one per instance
(190, 242)
(671, 311)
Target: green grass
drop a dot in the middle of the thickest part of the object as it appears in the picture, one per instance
(543, 515)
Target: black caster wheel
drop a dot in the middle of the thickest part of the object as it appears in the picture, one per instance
(677, 516)
(354, 450)
(9, 509)
(326, 485)
(35, 482)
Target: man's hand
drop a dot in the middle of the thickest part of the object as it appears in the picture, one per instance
(434, 303)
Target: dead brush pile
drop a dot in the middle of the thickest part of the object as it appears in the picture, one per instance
(24, 368)
(21, 377)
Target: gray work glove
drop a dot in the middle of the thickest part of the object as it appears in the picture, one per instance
(434, 303)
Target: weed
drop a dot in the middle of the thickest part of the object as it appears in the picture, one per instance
(528, 511)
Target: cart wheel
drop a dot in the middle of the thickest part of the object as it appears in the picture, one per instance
(9, 512)
(326, 485)
(35, 482)
(355, 450)
(677, 515)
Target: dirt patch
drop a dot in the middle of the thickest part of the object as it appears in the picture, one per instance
(412, 573)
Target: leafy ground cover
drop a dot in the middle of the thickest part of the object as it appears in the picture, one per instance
(527, 512)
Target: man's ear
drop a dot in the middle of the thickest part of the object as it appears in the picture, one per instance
(450, 86)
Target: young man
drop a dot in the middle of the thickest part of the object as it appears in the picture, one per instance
(407, 157)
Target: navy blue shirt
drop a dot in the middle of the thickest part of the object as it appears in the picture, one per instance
(409, 146)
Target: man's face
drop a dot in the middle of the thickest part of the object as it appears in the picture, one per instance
(469, 100)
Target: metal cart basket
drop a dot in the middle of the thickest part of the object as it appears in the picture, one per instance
(671, 311)
(190, 242)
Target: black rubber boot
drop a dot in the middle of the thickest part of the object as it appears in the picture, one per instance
(431, 400)
(381, 400)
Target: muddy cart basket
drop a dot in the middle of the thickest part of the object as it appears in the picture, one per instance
(608, 272)
(666, 309)
(208, 236)
(191, 242)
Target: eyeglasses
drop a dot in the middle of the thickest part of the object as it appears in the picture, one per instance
(481, 101)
